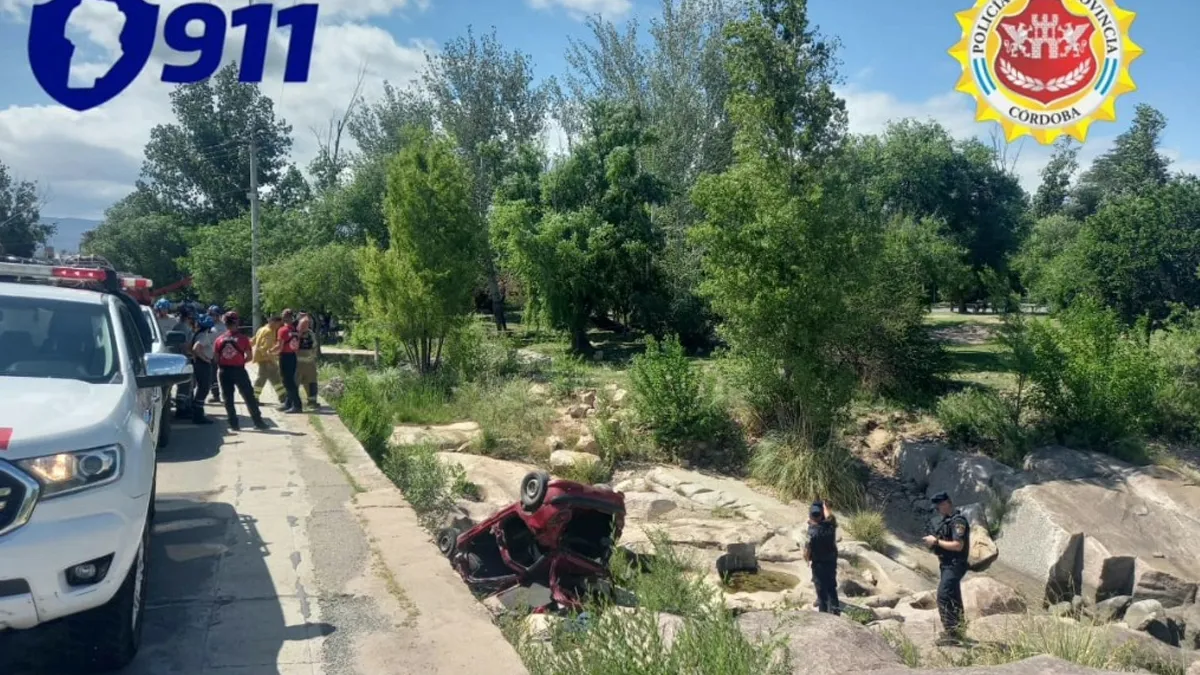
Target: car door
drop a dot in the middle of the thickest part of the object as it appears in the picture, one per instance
(147, 399)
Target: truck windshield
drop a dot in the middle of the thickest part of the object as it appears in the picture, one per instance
(56, 339)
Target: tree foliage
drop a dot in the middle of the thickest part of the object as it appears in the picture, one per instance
(323, 279)
(198, 167)
(141, 242)
(586, 245)
(21, 228)
(418, 291)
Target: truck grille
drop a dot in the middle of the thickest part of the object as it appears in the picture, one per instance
(18, 495)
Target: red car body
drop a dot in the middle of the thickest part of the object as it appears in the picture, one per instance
(561, 538)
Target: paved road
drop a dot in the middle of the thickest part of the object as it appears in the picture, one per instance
(259, 566)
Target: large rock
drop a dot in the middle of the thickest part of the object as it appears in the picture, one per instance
(1112, 609)
(648, 506)
(1141, 613)
(566, 459)
(983, 549)
(1090, 524)
(1187, 618)
(984, 596)
(499, 481)
(712, 534)
(893, 577)
(821, 644)
(442, 437)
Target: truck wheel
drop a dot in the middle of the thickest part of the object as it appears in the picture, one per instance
(108, 637)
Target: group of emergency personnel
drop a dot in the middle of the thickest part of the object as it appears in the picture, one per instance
(950, 541)
(284, 350)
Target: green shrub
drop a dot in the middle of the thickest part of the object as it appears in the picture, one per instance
(1177, 349)
(568, 374)
(473, 354)
(360, 408)
(869, 528)
(798, 470)
(428, 484)
(588, 473)
(1095, 382)
(611, 641)
(675, 399)
(984, 420)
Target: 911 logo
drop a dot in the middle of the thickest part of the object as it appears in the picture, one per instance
(51, 50)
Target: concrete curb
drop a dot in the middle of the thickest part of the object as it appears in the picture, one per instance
(448, 617)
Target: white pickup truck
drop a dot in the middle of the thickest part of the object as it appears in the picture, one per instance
(81, 392)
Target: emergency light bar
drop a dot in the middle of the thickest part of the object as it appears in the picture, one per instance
(37, 271)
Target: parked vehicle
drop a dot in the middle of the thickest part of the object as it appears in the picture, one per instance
(561, 535)
(170, 343)
(82, 395)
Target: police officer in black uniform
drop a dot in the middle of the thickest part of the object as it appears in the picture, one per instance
(822, 554)
(951, 542)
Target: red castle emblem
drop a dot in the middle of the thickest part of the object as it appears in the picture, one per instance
(1045, 52)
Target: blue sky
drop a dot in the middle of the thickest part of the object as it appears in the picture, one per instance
(894, 55)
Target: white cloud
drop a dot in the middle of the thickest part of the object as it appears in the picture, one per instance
(579, 9)
(86, 161)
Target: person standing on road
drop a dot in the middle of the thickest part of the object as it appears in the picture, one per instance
(287, 344)
(203, 365)
(233, 350)
(306, 359)
(267, 360)
(951, 542)
(218, 327)
(822, 555)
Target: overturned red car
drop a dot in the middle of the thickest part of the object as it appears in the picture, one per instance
(561, 535)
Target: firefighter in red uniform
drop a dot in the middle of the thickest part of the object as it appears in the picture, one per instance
(233, 351)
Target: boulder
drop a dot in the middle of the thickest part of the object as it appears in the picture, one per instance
(711, 534)
(853, 588)
(916, 459)
(1140, 613)
(587, 398)
(1104, 527)
(565, 459)
(984, 596)
(1112, 609)
(619, 397)
(578, 411)
(588, 444)
(972, 478)
(781, 548)
(499, 481)
(983, 550)
(647, 505)
(442, 437)
(821, 644)
(1187, 619)
(554, 443)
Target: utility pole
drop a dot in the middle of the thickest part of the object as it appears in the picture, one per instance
(256, 312)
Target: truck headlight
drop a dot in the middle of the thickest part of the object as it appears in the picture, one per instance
(68, 472)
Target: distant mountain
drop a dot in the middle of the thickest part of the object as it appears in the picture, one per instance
(69, 232)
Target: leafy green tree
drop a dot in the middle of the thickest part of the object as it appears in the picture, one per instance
(1051, 195)
(1045, 262)
(198, 167)
(418, 291)
(1141, 254)
(587, 245)
(1132, 167)
(143, 243)
(784, 245)
(919, 170)
(218, 256)
(321, 279)
(21, 228)
(486, 98)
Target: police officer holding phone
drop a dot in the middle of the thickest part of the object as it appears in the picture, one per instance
(822, 555)
(951, 542)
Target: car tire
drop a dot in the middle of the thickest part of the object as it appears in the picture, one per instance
(447, 541)
(108, 637)
(534, 487)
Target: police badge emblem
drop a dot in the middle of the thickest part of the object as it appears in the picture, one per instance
(1045, 68)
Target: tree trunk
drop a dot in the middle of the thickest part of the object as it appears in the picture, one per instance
(497, 296)
(579, 340)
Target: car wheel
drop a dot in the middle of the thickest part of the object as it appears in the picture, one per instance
(447, 541)
(109, 636)
(534, 487)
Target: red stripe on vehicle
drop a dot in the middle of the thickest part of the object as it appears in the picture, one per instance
(5, 437)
